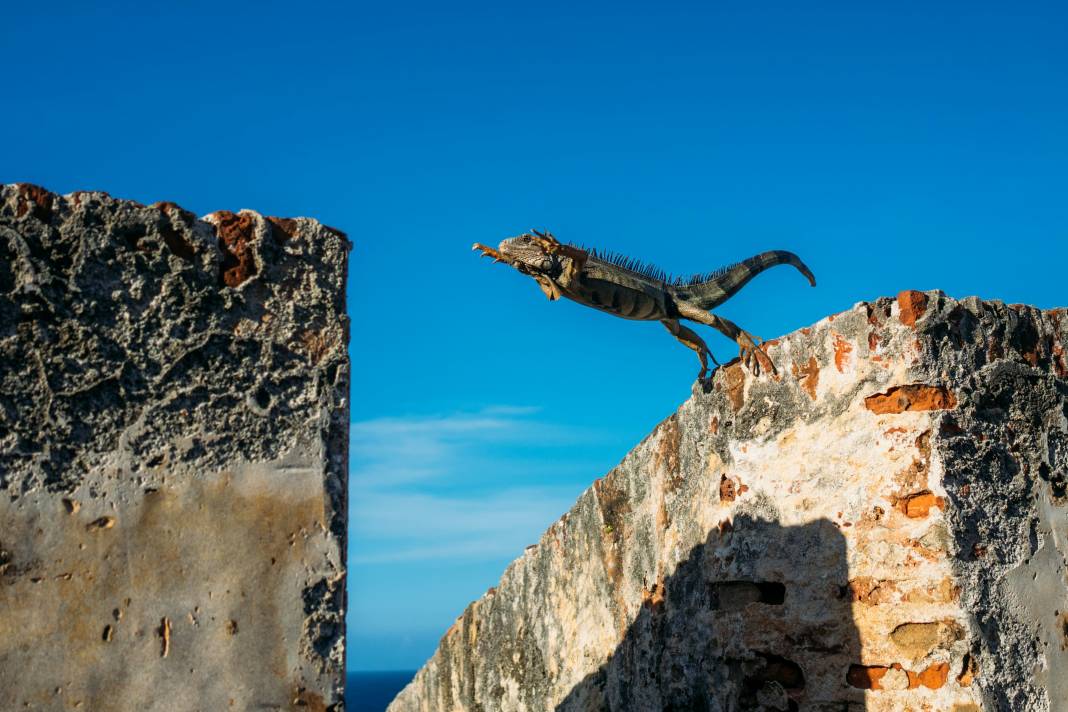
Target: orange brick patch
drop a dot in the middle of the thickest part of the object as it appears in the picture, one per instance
(912, 397)
(919, 505)
(911, 306)
(869, 677)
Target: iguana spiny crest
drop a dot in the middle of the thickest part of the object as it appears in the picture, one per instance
(628, 289)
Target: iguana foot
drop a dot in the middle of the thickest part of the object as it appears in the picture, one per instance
(706, 374)
(488, 252)
(752, 355)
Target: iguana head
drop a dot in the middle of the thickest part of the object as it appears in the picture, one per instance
(524, 252)
(536, 255)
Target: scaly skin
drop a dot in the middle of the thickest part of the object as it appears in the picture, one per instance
(563, 270)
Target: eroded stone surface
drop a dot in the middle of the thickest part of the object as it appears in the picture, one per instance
(173, 448)
(882, 527)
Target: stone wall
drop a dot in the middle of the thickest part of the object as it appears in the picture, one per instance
(173, 453)
(880, 526)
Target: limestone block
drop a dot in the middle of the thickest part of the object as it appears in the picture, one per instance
(173, 454)
(880, 526)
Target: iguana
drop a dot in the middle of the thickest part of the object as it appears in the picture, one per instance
(628, 289)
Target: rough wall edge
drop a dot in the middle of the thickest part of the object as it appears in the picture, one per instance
(1005, 365)
(225, 234)
(35, 197)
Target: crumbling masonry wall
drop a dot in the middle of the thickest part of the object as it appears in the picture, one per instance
(882, 525)
(173, 454)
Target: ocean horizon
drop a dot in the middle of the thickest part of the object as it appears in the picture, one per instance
(372, 691)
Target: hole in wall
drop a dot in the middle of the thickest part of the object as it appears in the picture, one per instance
(735, 595)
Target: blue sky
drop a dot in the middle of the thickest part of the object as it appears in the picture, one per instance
(892, 145)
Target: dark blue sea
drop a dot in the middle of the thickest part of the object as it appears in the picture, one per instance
(372, 691)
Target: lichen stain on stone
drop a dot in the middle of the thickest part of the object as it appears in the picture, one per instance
(734, 382)
(236, 233)
(726, 489)
(35, 200)
(842, 349)
(913, 479)
(911, 397)
(808, 375)
(667, 450)
(1060, 367)
(873, 341)
(871, 591)
(663, 518)
(615, 506)
(911, 306)
(730, 488)
(653, 596)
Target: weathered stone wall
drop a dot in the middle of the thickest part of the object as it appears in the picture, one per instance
(173, 453)
(880, 526)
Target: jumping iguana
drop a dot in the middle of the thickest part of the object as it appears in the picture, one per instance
(628, 289)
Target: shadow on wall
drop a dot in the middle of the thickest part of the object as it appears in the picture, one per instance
(756, 618)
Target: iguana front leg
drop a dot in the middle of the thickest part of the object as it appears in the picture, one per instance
(548, 286)
(749, 350)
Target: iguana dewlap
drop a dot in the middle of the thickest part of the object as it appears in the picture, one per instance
(628, 289)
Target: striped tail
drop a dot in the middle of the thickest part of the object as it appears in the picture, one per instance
(715, 291)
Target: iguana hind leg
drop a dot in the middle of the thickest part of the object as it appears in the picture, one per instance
(689, 338)
(749, 350)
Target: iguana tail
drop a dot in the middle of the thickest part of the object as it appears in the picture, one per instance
(719, 288)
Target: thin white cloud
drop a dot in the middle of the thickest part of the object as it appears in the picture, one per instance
(395, 450)
(401, 527)
(460, 486)
(511, 410)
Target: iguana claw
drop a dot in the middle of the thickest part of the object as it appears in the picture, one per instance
(753, 356)
(488, 252)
